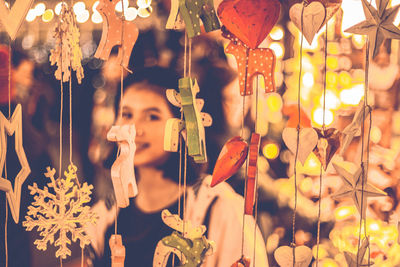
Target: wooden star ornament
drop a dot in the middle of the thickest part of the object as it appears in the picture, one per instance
(378, 24)
(13, 126)
(352, 186)
(357, 260)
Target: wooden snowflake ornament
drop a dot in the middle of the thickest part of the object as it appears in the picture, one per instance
(378, 24)
(12, 19)
(62, 212)
(187, 242)
(111, 36)
(67, 54)
(10, 127)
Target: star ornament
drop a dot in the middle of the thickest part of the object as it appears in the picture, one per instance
(358, 260)
(13, 127)
(378, 24)
(353, 187)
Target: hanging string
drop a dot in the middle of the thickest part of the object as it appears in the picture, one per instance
(190, 57)
(185, 55)
(323, 133)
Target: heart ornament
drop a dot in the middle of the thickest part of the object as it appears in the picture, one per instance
(11, 19)
(308, 139)
(314, 15)
(327, 145)
(249, 20)
(284, 256)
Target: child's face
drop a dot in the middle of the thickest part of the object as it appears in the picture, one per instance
(149, 112)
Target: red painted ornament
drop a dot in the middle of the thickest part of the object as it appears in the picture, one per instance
(251, 173)
(230, 159)
(242, 262)
(249, 20)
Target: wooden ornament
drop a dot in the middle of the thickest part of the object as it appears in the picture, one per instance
(12, 19)
(327, 145)
(63, 211)
(230, 159)
(249, 20)
(111, 35)
(251, 173)
(353, 186)
(173, 128)
(313, 18)
(252, 62)
(187, 242)
(191, 12)
(122, 170)
(307, 141)
(284, 256)
(13, 127)
(378, 24)
(117, 251)
(358, 259)
(242, 262)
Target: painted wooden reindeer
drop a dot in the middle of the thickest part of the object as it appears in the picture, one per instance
(115, 32)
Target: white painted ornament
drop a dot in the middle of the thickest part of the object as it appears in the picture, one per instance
(122, 171)
(284, 256)
(314, 15)
(12, 19)
(308, 139)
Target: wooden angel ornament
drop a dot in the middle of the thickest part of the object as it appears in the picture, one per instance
(12, 18)
(122, 171)
(187, 242)
(13, 127)
(62, 213)
(194, 120)
(191, 11)
(116, 31)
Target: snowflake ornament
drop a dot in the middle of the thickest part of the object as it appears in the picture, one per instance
(67, 54)
(63, 211)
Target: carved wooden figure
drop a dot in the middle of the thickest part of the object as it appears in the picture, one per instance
(113, 25)
(12, 18)
(122, 171)
(191, 11)
(10, 127)
(251, 173)
(194, 120)
(117, 251)
(252, 62)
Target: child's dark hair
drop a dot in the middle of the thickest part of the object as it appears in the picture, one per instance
(158, 80)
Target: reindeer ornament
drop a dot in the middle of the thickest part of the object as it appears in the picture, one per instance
(116, 31)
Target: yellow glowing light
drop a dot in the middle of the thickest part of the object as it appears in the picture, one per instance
(143, 3)
(331, 100)
(308, 79)
(95, 4)
(274, 102)
(7, 5)
(332, 78)
(358, 41)
(48, 15)
(145, 12)
(311, 166)
(318, 116)
(332, 62)
(344, 212)
(329, 263)
(271, 151)
(83, 17)
(322, 253)
(276, 33)
(306, 184)
(277, 48)
(275, 117)
(345, 79)
(376, 134)
(39, 9)
(79, 8)
(397, 19)
(31, 16)
(333, 48)
(353, 95)
(96, 17)
(374, 226)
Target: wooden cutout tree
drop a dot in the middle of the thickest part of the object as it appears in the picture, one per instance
(13, 126)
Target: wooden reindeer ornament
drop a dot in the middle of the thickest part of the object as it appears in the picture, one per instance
(187, 242)
(116, 31)
(193, 123)
(191, 11)
(122, 171)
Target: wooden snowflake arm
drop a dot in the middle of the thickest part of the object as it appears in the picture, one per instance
(173, 128)
(62, 242)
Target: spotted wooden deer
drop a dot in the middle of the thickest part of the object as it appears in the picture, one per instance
(113, 26)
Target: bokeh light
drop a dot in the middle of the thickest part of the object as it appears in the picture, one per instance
(48, 15)
(31, 16)
(131, 13)
(145, 12)
(271, 151)
(318, 116)
(40, 8)
(97, 18)
(83, 17)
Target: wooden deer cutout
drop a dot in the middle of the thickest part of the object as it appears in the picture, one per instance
(13, 126)
(187, 242)
(111, 36)
(252, 62)
(191, 11)
(194, 120)
(117, 251)
(122, 171)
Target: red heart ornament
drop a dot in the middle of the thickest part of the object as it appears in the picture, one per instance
(249, 20)
(230, 159)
